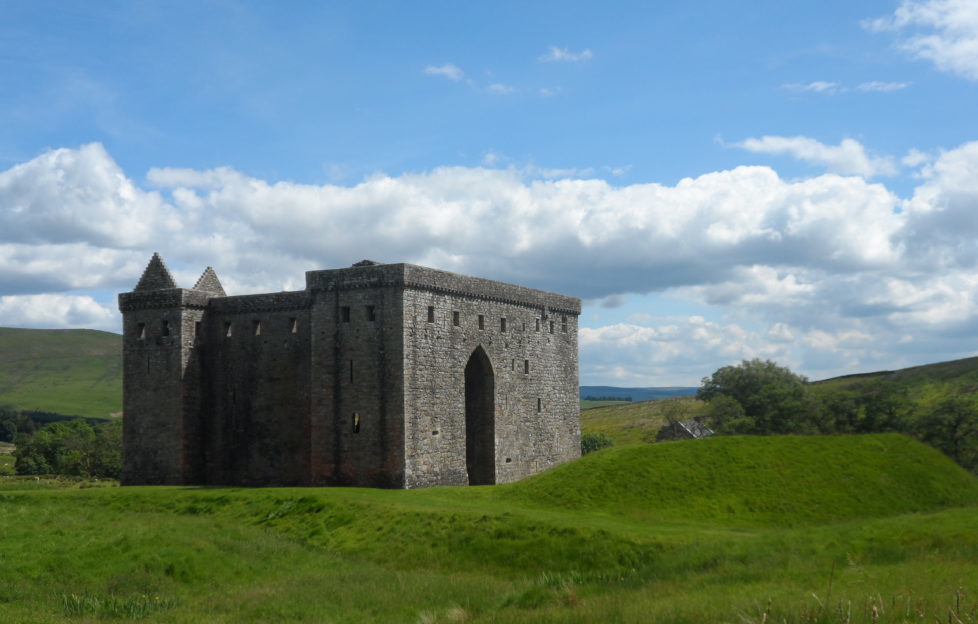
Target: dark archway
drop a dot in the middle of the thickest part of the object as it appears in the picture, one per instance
(480, 419)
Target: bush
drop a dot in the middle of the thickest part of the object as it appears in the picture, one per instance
(593, 442)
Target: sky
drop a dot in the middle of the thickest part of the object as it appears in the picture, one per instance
(717, 181)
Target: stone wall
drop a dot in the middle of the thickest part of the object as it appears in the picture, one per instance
(361, 379)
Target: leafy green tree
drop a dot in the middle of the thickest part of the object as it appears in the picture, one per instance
(773, 399)
(71, 447)
(591, 442)
(952, 427)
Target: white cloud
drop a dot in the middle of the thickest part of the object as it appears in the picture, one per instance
(915, 158)
(849, 157)
(447, 70)
(556, 54)
(882, 87)
(57, 311)
(944, 32)
(819, 86)
(500, 89)
(820, 272)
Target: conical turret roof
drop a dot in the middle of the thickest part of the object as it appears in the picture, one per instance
(156, 276)
(209, 283)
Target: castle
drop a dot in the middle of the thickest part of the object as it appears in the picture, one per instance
(378, 375)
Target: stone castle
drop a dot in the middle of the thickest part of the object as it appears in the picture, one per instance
(379, 375)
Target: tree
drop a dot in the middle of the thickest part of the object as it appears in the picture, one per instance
(952, 427)
(72, 447)
(773, 399)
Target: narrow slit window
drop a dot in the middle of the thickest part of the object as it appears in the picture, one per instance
(455, 320)
(294, 325)
(431, 314)
(356, 422)
(197, 329)
(539, 405)
(538, 324)
(526, 367)
(256, 326)
(141, 331)
(371, 313)
(502, 325)
(345, 314)
(512, 364)
(482, 322)
(551, 327)
(227, 329)
(166, 328)
(563, 324)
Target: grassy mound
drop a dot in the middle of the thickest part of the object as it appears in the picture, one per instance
(75, 372)
(757, 481)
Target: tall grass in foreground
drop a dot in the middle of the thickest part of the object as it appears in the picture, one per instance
(486, 555)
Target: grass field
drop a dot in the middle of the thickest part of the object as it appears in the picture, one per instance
(637, 422)
(75, 372)
(836, 529)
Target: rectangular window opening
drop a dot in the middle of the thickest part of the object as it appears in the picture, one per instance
(345, 314)
(539, 405)
(294, 325)
(502, 325)
(227, 329)
(431, 314)
(141, 331)
(371, 313)
(197, 329)
(166, 328)
(455, 320)
(538, 324)
(356, 422)
(256, 325)
(513, 365)
(482, 322)
(551, 327)
(563, 324)
(526, 367)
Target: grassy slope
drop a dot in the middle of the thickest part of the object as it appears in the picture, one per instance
(637, 422)
(923, 385)
(73, 371)
(504, 554)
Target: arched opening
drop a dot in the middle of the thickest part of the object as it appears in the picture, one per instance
(480, 419)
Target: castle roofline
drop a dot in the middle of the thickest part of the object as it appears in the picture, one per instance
(412, 276)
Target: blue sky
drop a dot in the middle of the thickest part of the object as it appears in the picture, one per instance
(792, 180)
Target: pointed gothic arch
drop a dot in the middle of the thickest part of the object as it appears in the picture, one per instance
(480, 419)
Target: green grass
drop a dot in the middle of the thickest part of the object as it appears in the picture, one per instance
(637, 422)
(634, 550)
(71, 371)
(588, 404)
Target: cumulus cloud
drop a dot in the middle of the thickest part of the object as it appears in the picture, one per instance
(849, 157)
(452, 72)
(556, 54)
(944, 32)
(51, 311)
(501, 89)
(826, 272)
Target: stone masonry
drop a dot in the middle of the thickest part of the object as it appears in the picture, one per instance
(379, 375)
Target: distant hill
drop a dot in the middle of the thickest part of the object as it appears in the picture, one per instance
(74, 372)
(636, 394)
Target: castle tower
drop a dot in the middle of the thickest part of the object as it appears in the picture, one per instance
(161, 420)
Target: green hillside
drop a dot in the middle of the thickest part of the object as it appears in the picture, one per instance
(68, 371)
(921, 386)
(884, 533)
(776, 480)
